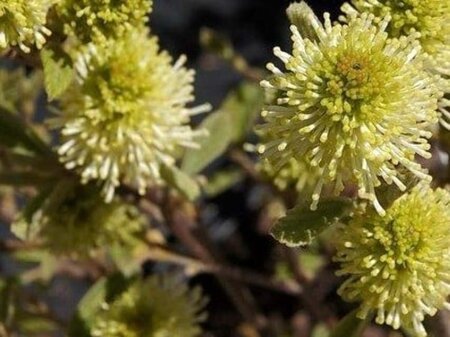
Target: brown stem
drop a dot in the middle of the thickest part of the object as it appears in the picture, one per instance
(243, 161)
(180, 217)
(161, 254)
(308, 299)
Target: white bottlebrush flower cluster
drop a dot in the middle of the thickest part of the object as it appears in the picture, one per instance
(126, 115)
(354, 104)
(357, 101)
(157, 306)
(73, 220)
(98, 20)
(398, 265)
(23, 23)
(429, 18)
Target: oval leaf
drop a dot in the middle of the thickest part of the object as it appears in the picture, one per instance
(301, 225)
(230, 124)
(58, 72)
(219, 128)
(182, 182)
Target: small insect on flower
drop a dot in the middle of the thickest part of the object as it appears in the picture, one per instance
(23, 23)
(351, 103)
(158, 306)
(97, 20)
(126, 115)
(429, 18)
(398, 265)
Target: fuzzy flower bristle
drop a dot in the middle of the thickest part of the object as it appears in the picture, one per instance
(75, 221)
(398, 266)
(353, 104)
(23, 23)
(98, 20)
(156, 307)
(126, 115)
(294, 174)
(429, 18)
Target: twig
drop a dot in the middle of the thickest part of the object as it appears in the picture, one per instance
(320, 312)
(180, 219)
(161, 254)
(11, 245)
(243, 160)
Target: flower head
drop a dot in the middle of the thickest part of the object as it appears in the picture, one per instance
(294, 173)
(126, 115)
(353, 104)
(22, 23)
(156, 307)
(429, 18)
(77, 222)
(18, 91)
(398, 266)
(97, 20)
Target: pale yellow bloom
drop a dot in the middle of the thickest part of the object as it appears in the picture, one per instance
(352, 104)
(398, 266)
(23, 23)
(156, 307)
(429, 18)
(127, 115)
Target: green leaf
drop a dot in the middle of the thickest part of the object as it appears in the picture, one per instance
(350, 326)
(243, 105)
(128, 258)
(182, 182)
(58, 72)
(220, 136)
(15, 134)
(105, 289)
(23, 226)
(230, 124)
(222, 181)
(301, 225)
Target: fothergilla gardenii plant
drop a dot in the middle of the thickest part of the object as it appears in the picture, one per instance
(230, 191)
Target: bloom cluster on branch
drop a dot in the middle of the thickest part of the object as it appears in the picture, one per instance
(357, 102)
(157, 306)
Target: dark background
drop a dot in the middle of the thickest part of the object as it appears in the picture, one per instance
(254, 27)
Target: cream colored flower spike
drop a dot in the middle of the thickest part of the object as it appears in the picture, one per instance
(126, 116)
(23, 23)
(430, 19)
(352, 103)
(398, 266)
